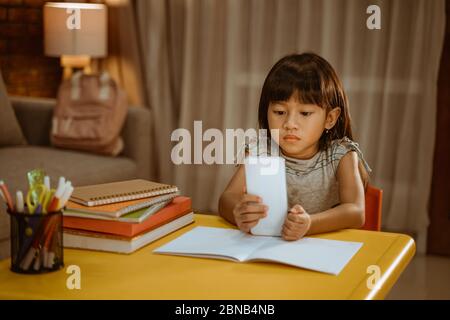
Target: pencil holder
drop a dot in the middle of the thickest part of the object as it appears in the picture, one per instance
(36, 242)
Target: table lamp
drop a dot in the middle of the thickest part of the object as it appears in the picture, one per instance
(76, 32)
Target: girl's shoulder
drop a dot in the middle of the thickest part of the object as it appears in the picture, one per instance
(340, 147)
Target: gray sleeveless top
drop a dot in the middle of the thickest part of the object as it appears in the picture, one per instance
(312, 183)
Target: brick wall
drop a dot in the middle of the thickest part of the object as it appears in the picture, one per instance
(25, 68)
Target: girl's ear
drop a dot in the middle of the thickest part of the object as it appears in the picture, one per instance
(332, 118)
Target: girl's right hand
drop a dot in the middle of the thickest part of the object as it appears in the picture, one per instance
(248, 211)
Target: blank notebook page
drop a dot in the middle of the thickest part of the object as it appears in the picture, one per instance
(329, 256)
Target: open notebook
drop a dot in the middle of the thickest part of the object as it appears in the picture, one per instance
(329, 256)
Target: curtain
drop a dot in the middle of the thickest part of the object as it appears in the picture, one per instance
(206, 60)
(124, 57)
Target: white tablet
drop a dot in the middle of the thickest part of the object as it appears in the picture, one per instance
(266, 177)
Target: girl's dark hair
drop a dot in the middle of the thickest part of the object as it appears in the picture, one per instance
(313, 81)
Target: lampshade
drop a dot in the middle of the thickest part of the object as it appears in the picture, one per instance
(89, 37)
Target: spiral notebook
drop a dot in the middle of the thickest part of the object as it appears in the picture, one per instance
(116, 210)
(113, 192)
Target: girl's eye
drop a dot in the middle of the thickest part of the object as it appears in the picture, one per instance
(278, 112)
(306, 114)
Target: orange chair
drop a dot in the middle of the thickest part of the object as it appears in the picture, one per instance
(374, 199)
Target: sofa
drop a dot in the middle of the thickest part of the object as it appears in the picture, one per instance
(25, 145)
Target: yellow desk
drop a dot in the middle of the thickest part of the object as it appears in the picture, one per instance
(144, 275)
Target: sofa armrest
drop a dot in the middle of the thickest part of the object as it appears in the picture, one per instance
(137, 134)
(35, 118)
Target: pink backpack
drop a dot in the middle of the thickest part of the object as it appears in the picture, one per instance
(89, 114)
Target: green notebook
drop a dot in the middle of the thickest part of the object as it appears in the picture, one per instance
(133, 217)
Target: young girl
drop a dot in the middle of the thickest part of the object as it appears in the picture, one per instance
(326, 173)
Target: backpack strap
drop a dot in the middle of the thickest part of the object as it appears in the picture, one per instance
(75, 91)
(104, 86)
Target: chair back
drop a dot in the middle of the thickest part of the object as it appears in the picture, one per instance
(374, 199)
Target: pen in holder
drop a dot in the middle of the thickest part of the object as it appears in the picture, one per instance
(36, 242)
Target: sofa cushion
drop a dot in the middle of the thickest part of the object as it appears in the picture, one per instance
(10, 131)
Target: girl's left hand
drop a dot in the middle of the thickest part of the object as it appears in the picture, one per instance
(297, 223)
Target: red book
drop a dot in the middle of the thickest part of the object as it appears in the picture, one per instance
(177, 208)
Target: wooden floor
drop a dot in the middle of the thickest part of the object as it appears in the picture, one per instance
(426, 277)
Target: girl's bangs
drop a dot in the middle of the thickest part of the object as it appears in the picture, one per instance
(306, 88)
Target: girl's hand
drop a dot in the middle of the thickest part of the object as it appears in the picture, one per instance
(297, 223)
(248, 211)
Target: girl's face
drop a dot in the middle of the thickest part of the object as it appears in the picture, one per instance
(300, 126)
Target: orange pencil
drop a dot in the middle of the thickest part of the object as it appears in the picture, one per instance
(7, 195)
(34, 251)
(48, 238)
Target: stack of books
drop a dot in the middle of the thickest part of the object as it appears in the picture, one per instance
(123, 216)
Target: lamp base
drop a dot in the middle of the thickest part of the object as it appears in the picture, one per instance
(70, 62)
